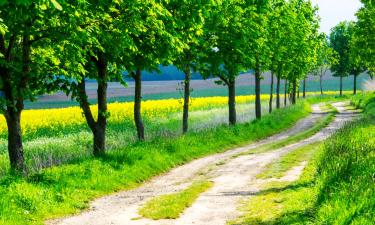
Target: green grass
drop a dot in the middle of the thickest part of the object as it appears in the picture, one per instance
(172, 205)
(294, 158)
(68, 188)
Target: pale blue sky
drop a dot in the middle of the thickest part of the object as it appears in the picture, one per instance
(334, 11)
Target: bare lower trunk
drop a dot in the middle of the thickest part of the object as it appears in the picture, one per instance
(185, 117)
(271, 94)
(258, 106)
(137, 105)
(101, 124)
(321, 85)
(341, 78)
(293, 97)
(285, 92)
(232, 102)
(304, 88)
(278, 92)
(15, 147)
(355, 85)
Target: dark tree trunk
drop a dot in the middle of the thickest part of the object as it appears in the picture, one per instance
(298, 93)
(185, 116)
(258, 106)
(304, 88)
(285, 92)
(278, 92)
(232, 102)
(101, 124)
(271, 94)
(15, 147)
(293, 97)
(355, 84)
(137, 105)
(98, 128)
(341, 78)
(321, 85)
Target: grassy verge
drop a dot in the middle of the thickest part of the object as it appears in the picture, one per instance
(172, 205)
(68, 188)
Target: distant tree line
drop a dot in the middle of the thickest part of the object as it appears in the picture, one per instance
(98, 40)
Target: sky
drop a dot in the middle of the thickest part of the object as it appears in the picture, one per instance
(332, 12)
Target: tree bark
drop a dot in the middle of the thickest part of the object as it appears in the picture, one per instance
(321, 85)
(278, 92)
(185, 116)
(355, 84)
(101, 124)
(232, 102)
(285, 92)
(15, 147)
(137, 105)
(271, 93)
(258, 106)
(98, 128)
(304, 88)
(293, 97)
(341, 78)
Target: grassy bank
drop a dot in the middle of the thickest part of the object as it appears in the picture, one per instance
(68, 188)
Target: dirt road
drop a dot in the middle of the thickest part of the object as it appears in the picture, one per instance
(233, 175)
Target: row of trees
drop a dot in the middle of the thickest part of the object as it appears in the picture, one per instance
(353, 45)
(50, 45)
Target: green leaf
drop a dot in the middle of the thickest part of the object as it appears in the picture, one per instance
(56, 4)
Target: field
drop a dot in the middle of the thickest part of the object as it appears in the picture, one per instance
(158, 90)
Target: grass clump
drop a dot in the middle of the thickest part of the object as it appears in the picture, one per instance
(172, 205)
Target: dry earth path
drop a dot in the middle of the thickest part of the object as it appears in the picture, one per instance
(233, 175)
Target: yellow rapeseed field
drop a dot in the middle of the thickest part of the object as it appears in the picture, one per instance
(32, 120)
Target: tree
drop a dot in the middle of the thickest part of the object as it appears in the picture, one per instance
(27, 62)
(326, 57)
(364, 40)
(189, 17)
(278, 38)
(154, 43)
(257, 23)
(303, 43)
(96, 51)
(225, 54)
(356, 64)
(340, 42)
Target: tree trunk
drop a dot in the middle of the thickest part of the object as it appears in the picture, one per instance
(321, 85)
(278, 92)
(271, 94)
(15, 147)
(355, 84)
(137, 105)
(298, 93)
(101, 124)
(304, 88)
(285, 92)
(258, 106)
(341, 78)
(293, 97)
(185, 117)
(232, 102)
